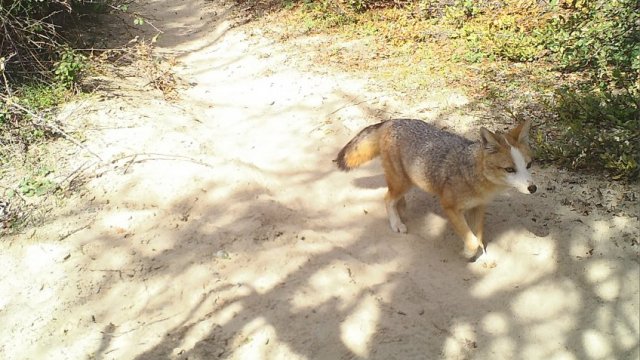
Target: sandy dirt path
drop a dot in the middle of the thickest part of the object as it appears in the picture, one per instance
(218, 227)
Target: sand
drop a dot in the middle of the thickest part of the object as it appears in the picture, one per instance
(217, 226)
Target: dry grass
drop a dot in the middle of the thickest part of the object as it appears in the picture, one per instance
(135, 61)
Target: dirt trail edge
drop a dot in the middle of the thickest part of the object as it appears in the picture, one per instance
(218, 227)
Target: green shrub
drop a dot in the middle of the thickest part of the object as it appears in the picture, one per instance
(327, 14)
(68, 68)
(460, 12)
(595, 131)
(509, 33)
(31, 40)
(599, 116)
(35, 70)
(511, 39)
(602, 37)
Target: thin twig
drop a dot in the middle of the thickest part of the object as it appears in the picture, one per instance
(43, 122)
(166, 157)
(347, 105)
(136, 14)
(3, 62)
(78, 170)
(124, 172)
(71, 232)
(102, 49)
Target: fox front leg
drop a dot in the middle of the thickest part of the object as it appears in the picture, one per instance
(461, 228)
(476, 217)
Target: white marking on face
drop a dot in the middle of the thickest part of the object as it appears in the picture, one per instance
(521, 179)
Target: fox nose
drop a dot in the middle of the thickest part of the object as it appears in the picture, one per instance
(532, 188)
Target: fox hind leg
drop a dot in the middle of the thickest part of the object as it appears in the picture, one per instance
(395, 222)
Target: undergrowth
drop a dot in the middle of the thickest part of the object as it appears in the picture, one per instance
(39, 70)
(575, 63)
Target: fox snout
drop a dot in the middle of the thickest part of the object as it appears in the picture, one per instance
(522, 183)
(525, 188)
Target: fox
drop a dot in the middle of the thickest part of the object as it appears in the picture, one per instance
(465, 175)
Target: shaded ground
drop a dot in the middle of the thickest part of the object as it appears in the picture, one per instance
(218, 227)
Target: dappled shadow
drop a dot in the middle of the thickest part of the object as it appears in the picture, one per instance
(333, 284)
(240, 267)
(248, 257)
(430, 302)
(352, 289)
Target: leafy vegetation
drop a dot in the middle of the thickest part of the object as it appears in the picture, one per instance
(36, 70)
(39, 69)
(576, 62)
(67, 70)
(36, 185)
(600, 113)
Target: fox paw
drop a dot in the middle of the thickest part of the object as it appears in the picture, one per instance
(398, 226)
(474, 254)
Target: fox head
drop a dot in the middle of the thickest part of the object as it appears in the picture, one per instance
(507, 158)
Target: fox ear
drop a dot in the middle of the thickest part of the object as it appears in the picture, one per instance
(521, 133)
(490, 141)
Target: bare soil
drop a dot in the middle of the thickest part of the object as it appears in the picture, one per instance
(215, 225)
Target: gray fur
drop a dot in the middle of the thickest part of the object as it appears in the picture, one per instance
(436, 154)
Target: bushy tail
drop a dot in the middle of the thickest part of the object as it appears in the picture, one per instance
(362, 148)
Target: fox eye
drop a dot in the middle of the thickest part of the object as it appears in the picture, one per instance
(509, 169)
(529, 164)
